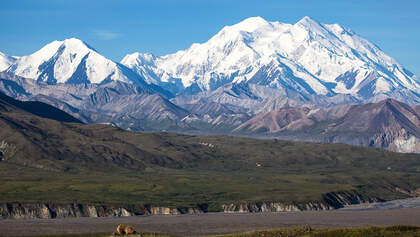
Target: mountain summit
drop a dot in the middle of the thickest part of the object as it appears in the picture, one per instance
(71, 61)
(308, 57)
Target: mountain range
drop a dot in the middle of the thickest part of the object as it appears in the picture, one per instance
(304, 81)
(307, 57)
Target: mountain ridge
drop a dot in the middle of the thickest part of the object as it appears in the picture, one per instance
(37, 108)
(71, 61)
(6, 61)
(312, 57)
(386, 124)
(119, 103)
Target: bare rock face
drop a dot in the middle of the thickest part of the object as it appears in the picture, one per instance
(47, 211)
(275, 207)
(259, 207)
(276, 121)
(387, 124)
(7, 150)
(410, 144)
(329, 201)
(164, 211)
(173, 211)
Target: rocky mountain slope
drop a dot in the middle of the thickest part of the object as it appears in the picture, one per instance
(123, 104)
(387, 124)
(54, 145)
(37, 108)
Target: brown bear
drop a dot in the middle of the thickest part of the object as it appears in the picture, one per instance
(125, 229)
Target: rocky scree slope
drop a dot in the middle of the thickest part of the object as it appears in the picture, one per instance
(387, 124)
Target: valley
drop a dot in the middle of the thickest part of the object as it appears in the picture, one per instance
(103, 165)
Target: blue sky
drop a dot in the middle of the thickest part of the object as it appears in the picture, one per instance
(118, 27)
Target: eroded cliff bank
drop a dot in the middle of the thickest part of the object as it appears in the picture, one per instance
(329, 201)
(47, 211)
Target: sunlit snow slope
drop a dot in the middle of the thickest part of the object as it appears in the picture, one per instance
(6, 61)
(307, 57)
(71, 61)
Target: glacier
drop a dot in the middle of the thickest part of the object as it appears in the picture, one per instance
(308, 57)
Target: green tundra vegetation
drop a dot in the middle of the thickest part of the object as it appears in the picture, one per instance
(49, 161)
(234, 170)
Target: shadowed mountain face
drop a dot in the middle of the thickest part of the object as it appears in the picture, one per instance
(51, 143)
(385, 115)
(37, 108)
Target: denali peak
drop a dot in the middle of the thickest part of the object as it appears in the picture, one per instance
(308, 57)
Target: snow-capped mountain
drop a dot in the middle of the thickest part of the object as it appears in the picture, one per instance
(308, 57)
(253, 78)
(71, 61)
(6, 61)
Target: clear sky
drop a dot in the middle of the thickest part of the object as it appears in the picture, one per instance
(117, 27)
